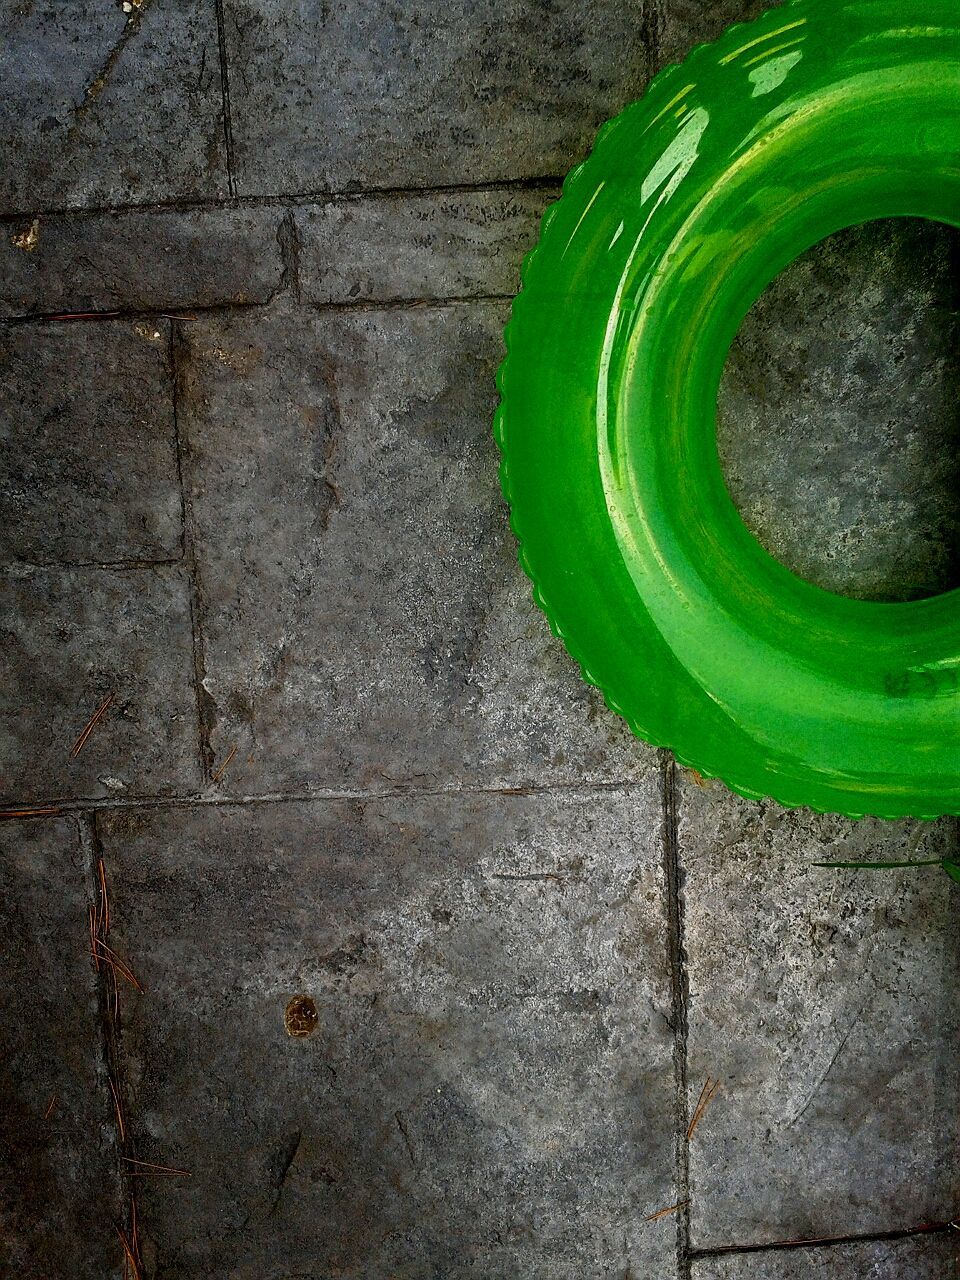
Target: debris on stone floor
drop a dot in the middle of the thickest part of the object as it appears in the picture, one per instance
(300, 1017)
(666, 1213)
(91, 724)
(82, 315)
(38, 811)
(29, 239)
(707, 1093)
(222, 769)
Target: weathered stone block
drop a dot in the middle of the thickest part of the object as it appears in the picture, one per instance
(825, 1000)
(88, 463)
(365, 620)
(488, 1090)
(102, 106)
(413, 247)
(377, 95)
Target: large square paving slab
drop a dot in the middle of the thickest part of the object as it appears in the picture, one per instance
(365, 621)
(60, 1197)
(488, 1090)
(826, 1002)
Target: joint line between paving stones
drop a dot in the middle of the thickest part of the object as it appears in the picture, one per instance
(204, 727)
(225, 91)
(653, 22)
(678, 982)
(18, 564)
(827, 1242)
(50, 808)
(109, 1031)
(288, 242)
(213, 204)
(257, 308)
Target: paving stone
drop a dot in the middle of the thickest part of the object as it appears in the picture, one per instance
(88, 464)
(366, 623)
(383, 248)
(917, 1258)
(70, 638)
(139, 260)
(685, 23)
(838, 423)
(59, 1184)
(384, 95)
(106, 107)
(826, 1001)
(489, 1088)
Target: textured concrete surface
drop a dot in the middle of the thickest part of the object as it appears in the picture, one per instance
(434, 957)
(851, 478)
(71, 638)
(825, 1001)
(413, 247)
(920, 1258)
(364, 621)
(489, 1089)
(88, 466)
(152, 259)
(425, 93)
(58, 1156)
(108, 105)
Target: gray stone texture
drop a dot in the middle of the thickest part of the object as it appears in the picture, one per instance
(102, 106)
(825, 1000)
(88, 451)
(838, 423)
(68, 639)
(413, 247)
(156, 259)
(916, 1258)
(489, 1091)
(365, 620)
(59, 1184)
(426, 93)
(685, 23)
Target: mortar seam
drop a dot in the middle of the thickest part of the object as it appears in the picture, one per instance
(225, 95)
(197, 638)
(204, 204)
(108, 1030)
(331, 795)
(679, 995)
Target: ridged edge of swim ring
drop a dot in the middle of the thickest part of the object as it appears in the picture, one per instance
(698, 54)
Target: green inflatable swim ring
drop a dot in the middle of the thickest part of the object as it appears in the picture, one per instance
(818, 115)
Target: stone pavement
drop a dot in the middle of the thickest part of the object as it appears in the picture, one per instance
(250, 515)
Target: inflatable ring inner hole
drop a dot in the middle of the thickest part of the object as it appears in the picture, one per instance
(838, 418)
